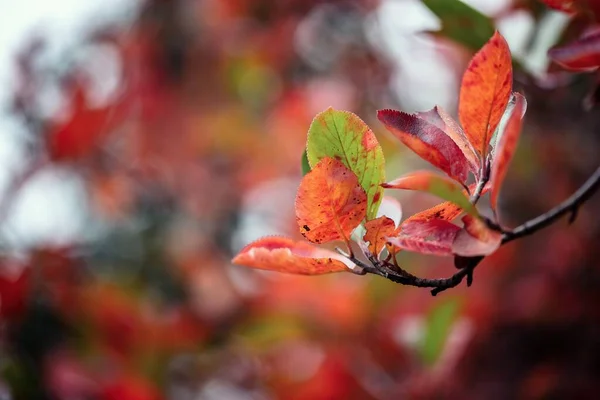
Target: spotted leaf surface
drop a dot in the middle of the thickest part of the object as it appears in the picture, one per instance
(344, 136)
(330, 202)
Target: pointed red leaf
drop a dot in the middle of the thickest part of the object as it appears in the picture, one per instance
(582, 54)
(484, 93)
(440, 118)
(476, 238)
(428, 237)
(376, 232)
(440, 186)
(427, 140)
(505, 147)
(286, 255)
(330, 202)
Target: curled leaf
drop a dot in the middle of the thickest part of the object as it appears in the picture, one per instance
(421, 134)
(330, 202)
(281, 254)
(484, 93)
(376, 232)
(456, 133)
(344, 136)
(476, 238)
(428, 237)
(505, 147)
(440, 186)
(582, 54)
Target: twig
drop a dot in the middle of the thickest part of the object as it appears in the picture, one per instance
(570, 205)
(468, 264)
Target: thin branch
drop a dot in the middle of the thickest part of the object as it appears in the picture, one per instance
(570, 205)
(468, 264)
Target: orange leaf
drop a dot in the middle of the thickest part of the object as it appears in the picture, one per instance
(426, 139)
(440, 186)
(505, 147)
(285, 255)
(446, 211)
(428, 237)
(582, 54)
(485, 89)
(330, 202)
(377, 231)
(476, 239)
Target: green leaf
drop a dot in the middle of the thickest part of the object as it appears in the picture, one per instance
(344, 136)
(438, 325)
(462, 23)
(304, 164)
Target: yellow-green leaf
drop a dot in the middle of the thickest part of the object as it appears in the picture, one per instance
(344, 136)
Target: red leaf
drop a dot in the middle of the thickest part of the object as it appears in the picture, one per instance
(285, 255)
(86, 128)
(456, 133)
(428, 237)
(505, 147)
(427, 140)
(476, 239)
(582, 54)
(377, 231)
(484, 93)
(330, 202)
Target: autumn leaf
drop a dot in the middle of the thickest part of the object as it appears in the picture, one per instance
(446, 211)
(344, 136)
(505, 147)
(84, 130)
(330, 202)
(427, 237)
(435, 184)
(582, 54)
(376, 232)
(476, 238)
(458, 136)
(281, 254)
(426, 139)
(485, 90)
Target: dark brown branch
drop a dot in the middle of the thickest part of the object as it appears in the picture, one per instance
(571, 205)
(467, 265)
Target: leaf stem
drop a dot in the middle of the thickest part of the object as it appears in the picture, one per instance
(468, 264)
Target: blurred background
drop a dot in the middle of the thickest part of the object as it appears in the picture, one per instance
(144, 142)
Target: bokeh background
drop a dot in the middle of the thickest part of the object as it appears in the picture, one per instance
(144, 142)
